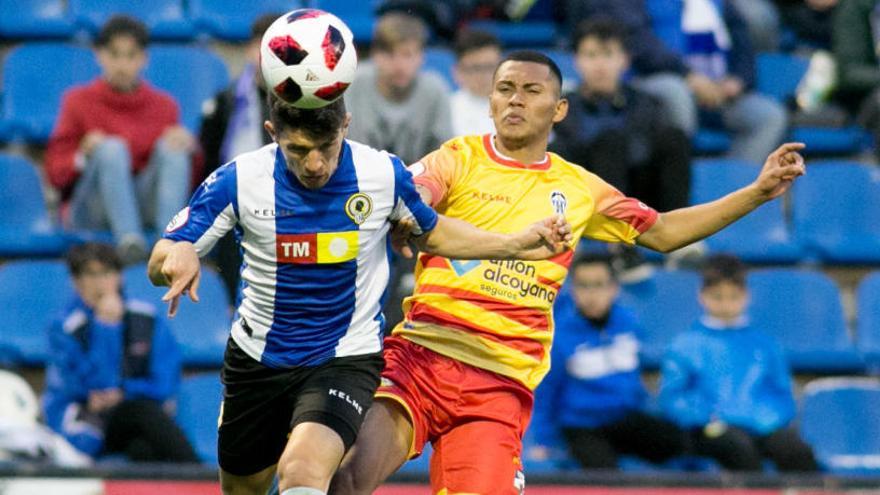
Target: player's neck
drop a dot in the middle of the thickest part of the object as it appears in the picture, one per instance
(520, 150)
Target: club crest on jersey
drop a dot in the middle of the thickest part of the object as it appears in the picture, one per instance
(558, 201)
(358, 207)
(178, 221)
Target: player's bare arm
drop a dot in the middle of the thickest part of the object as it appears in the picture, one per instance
(175, 265)
(681, 227)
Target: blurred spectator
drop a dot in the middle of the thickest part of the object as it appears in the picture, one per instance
(232, 124)
(593, 397)
(809, 20)
(728, 383)
(477, 53)
(618, 132)
(393, 105)
(23, 439)
(118, 153)
(856, 45)
(762, 19)
(114, 368)
(704, 62)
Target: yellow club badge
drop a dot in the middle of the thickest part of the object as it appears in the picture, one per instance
(358, 207)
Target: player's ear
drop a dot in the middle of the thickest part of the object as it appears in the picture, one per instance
(346, 124)
(270, 129)
(561, 110)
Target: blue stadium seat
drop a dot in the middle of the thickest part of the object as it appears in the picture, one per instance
(802, 310)
(664, 304)
(868, 319)
(519, 34)
(200, 328)
(778, 76)
(440, 60)
(205, 75)
(839, 420)
(359, 16)
(710, 141)
(761, 237)
(33, 294)
(35, 75)
(25, 226)
(419, 465)
(34, 19)
(837, 210)
(198, 409)
(232, 19)
(165, 19)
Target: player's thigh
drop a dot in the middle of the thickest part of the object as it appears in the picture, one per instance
(478, 457)
(382, 446)
(253, 484)
(312, 454)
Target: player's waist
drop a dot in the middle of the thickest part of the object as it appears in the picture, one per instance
(525, 360)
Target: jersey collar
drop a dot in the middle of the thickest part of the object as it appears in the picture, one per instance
(498, 157)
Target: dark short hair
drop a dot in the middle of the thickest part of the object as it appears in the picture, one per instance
(262, 23)
(318, 123)
(123, 25)
(602, 28)
(534, 57)
(469, 40)
(596, 258)
(82, 254)
(720, 268)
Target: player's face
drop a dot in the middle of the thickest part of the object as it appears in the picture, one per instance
(474, 69)
(96, 280)
(121, 61)
(725, 300)
(601, 64)
(311, 160)
(525, 101)
(399, 66)
(594, 289)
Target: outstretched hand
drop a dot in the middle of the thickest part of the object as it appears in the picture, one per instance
(182, 271)
(780, 170)
(400, 235)
(544, 239)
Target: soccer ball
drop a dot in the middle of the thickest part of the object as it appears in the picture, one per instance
(308, 58)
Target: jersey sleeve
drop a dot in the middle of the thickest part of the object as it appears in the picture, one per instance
(212, 211)
(617, 218)
(436, 172)
(407, 201)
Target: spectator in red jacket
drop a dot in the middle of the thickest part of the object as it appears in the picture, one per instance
(118, 154)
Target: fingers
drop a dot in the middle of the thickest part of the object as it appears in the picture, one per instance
(194, 286)
(172, 307)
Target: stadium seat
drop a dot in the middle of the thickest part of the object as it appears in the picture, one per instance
(762, 236)
(198, 409)
(710, 141)
(35, 75)
(165, 19)
(201, 328)
(664, 304)
(418, 466)
(868, 320)
(440, 60)
(25, 226)
(802, 310)
(232, 19)
(34, 19)
(33, 294)
(205, 75)
(837, 210)
(519, 34)
(358, 15)
(839, 420)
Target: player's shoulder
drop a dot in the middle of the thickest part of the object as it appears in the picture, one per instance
(576, 173)
(260, 161)
(362, 154)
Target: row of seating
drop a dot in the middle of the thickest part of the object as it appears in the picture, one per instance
(824, 226)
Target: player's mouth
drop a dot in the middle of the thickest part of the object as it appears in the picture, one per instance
(514, 119)
(313, 180)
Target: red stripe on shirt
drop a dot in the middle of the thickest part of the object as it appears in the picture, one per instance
(529, 317)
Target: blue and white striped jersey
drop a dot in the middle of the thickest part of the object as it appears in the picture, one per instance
(316, 262)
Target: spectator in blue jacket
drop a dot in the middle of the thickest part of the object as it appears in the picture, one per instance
(727, 382)
(114, 368)
(593, 400)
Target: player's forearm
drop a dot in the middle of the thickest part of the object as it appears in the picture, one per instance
(157, 259)
(455, 238)
(678, 228)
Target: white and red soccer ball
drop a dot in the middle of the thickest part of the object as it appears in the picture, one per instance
(308, 58)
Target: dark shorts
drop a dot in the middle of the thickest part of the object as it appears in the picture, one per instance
(261, 405)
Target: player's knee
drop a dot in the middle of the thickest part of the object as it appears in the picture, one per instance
(244, 485)
(303, 472)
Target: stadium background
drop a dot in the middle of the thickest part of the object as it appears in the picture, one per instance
(818, 249)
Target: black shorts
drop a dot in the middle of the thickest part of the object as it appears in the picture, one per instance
(261, 405)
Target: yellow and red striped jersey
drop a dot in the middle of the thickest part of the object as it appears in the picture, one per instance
(492, 314)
